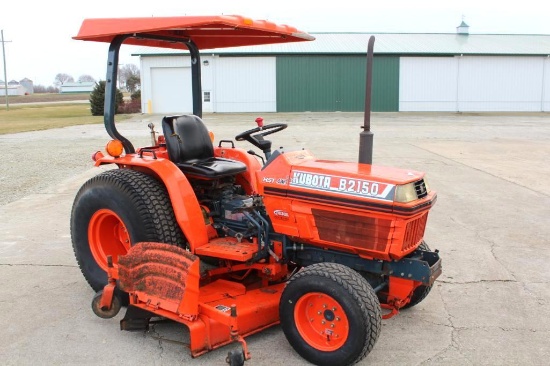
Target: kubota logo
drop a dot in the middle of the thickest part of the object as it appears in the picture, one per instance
(280, 214)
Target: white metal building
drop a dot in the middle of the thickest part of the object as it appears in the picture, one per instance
(78, 87)
(12, 90)
(435, 72)
(229, 84)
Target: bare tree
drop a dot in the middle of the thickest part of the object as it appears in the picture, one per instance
(86, 78)
(133, 83)
(39, 89)
(62, 78)
(129, 72)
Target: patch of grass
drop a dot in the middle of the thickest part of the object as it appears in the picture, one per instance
(22, 118)
(45, 97)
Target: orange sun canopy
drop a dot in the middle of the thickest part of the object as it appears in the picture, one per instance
(205, 31)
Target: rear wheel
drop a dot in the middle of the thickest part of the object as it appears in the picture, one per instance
(330, 314)
(422, 291)
(113, 211)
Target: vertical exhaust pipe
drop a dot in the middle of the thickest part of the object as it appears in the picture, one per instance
(366, 136)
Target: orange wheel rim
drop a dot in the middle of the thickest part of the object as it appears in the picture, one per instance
(107, 235)
(321, 321)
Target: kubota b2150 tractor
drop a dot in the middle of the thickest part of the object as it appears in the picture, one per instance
(209, 236)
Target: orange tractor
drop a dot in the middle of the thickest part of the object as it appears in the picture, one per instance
(208, 236)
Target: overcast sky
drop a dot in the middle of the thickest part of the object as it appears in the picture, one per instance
(41, 31)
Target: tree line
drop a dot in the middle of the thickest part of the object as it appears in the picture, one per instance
(128, 79)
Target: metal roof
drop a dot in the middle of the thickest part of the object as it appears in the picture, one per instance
(392, 43)
(79, 84)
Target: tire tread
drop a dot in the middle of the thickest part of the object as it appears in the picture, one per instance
(359, 289)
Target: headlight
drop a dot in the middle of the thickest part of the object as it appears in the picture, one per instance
(405, 193)
(412, 191)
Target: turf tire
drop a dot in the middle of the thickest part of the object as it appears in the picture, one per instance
(357, 300)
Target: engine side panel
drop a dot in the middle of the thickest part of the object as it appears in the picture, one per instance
(344, 206)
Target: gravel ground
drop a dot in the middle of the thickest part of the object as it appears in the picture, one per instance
(33, 161)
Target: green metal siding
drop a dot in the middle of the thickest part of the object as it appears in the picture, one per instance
(385, 84)
(335, 83)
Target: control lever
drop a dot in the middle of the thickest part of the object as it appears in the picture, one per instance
(260, 122)
(153, 134)
(252, 152)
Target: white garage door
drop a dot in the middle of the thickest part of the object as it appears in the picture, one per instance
(171, 90)
(500, 83)
(473, 83)
(428, 84)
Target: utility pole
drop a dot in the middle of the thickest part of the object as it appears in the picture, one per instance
(5, 73)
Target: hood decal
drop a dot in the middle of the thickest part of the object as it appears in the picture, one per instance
(346, 186)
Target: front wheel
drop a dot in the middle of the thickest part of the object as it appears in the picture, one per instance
(330, 314)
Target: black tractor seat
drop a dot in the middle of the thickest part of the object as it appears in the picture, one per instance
(190, 148)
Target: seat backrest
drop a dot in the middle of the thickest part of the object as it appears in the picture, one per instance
(187, 139)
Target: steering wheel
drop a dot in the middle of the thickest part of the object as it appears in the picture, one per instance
(256, 135)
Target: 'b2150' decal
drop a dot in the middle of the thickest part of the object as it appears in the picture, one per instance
(343, 185)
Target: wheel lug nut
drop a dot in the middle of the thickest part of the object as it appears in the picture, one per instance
(333, 309)
(338, 318)
(325, 306)
(332, 325)
(318, 313)
(322, 322)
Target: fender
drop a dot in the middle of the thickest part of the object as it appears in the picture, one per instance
(246, 179)
(184, 202)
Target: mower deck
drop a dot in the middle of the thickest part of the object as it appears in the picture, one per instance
(163, 280)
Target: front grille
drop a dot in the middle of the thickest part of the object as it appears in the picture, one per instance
(420, 187)
(353, 230)
(414, 232)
